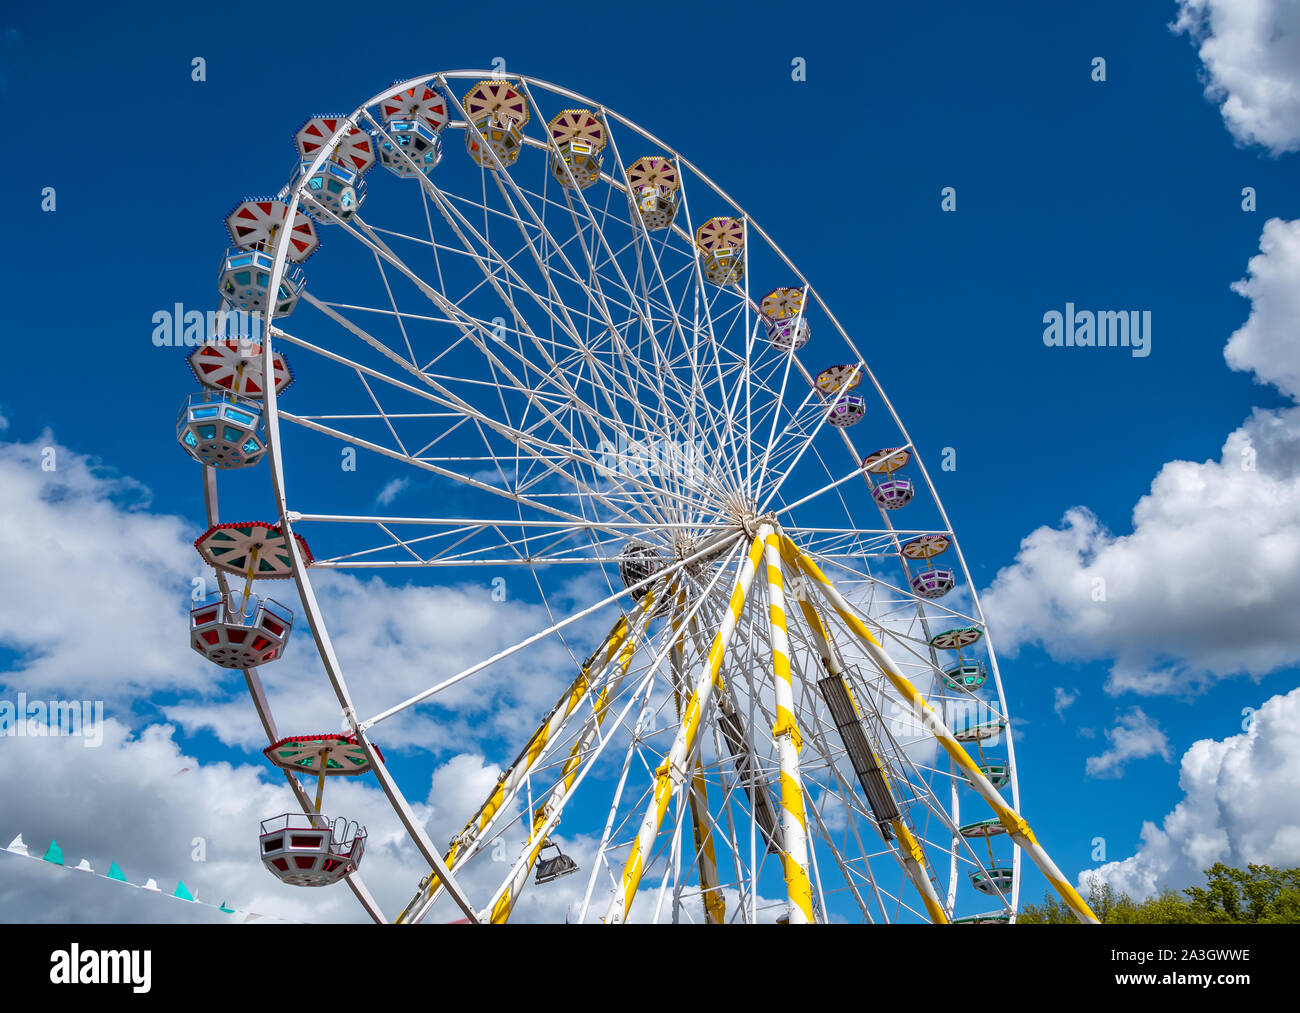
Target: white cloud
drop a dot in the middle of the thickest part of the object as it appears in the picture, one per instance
(1063, 700)
(394, 641)
(1241, 804)
(1250, 50)
(127, 801)
(1134, 737)
(1205, 584)
(82, 537)
(1266, 343)
(391, 490)
(93, 599)
(97, 609)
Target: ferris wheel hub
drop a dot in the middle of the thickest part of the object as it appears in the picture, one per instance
(704, 549)
(751, 521)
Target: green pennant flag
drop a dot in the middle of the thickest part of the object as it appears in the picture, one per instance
(115, 873)
(54, 853)
(182, 891)
(227, 910)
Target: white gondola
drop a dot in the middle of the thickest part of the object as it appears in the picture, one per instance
(245, 281)
(221, 429)
(933, 583)
(894, 493)
(235, 632)
(307, 849)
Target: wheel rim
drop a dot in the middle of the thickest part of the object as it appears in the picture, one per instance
(677, 509)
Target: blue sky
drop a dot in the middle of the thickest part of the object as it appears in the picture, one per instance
(1122, 194)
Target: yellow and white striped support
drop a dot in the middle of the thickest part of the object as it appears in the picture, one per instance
(1015, 825)
(505, 903)
(785, 733)
(508, 785)
(715, 906)
(912, 856)
(673, 770)
(909, 853)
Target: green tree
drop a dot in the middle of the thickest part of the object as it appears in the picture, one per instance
(1258, 894)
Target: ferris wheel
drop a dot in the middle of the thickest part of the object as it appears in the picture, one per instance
(599, 379)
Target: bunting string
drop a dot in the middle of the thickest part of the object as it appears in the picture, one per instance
(54, 856)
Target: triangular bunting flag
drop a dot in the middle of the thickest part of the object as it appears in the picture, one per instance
(54, 855)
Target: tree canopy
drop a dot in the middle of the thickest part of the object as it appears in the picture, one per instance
(1256, 895)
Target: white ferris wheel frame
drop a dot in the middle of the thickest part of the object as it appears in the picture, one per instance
(736, 540)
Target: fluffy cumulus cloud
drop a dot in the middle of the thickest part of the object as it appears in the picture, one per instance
(1217, 539)
(141, 798)
(1250, 51)
(393, 642)
(1241, 804)
(1266, 344)
(1134, 737)
(80, 535)
(92, 578)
